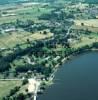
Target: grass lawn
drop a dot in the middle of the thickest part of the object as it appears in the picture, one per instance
(5, 87)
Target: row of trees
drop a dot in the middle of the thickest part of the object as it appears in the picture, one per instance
(37, 68)
(19, 96)
(59, 15)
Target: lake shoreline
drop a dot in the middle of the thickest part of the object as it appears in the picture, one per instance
(65, 60)
(73, 78)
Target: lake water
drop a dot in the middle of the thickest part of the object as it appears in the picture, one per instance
(75, 80)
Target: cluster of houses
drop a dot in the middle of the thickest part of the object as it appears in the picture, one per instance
(7, 28)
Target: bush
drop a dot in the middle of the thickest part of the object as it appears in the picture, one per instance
(21, 96)
(25, 81)
(13, 91)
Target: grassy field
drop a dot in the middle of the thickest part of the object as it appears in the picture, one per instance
(24, 14)
(91, 25)
(89, 22)
(86, 40)
(5, 87)
(93, 29)
(38, 36)
(11, 40)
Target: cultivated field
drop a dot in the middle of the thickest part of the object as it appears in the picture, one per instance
(78, 27)
(23, 13)
(11, 40)
(91, 25)
(89, 22)
(5, 87)
(87, 40)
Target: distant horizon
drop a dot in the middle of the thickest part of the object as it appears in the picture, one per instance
(11, 1)
(17, 1)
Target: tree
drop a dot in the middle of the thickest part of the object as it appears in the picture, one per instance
(28, 41)
(45, 32)
(82, 24)
(21, 96)
(13, 91)
(95, 45)
(25, 81)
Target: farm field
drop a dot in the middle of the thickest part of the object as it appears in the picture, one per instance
(36, 38)
(87, 40)
(8, 41)
(93, 29)
(23, 13)
(6, 86)
(89, 22)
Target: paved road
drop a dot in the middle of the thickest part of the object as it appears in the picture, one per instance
(29, 61)
(11, 79)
